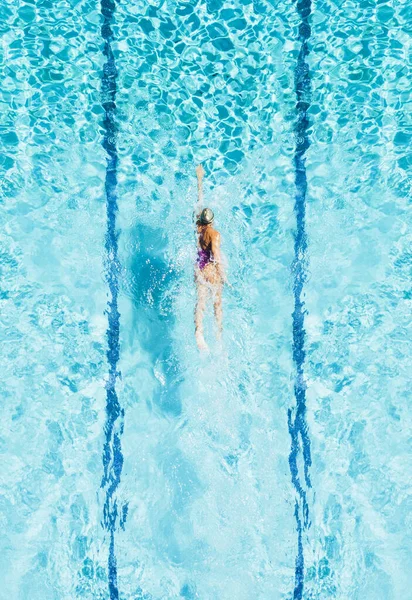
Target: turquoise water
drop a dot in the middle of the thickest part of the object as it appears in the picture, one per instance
(277, 466)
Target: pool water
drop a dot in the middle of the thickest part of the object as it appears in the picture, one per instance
(276, 466)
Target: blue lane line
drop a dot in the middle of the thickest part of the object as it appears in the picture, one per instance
(298, 428)
(112, 451)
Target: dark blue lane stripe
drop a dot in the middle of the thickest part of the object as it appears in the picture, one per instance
(298, 428)
(112, 452)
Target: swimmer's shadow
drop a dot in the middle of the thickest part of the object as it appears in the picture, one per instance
(153, 280)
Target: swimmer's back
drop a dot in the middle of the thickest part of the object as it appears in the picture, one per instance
(207, 236)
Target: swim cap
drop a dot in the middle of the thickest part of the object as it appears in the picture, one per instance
(206, 216)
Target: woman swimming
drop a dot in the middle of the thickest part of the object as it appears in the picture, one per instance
(209, 275)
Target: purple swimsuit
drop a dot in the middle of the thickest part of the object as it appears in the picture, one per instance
(204, 257)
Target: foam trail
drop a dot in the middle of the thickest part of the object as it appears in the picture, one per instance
(112, 452)
(298, 428)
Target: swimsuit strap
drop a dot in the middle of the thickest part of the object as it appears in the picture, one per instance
(204, 255)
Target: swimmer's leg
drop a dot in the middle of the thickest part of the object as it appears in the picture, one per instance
(217, 305)
(202, 292)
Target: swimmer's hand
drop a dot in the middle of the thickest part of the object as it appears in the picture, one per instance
(224, 281)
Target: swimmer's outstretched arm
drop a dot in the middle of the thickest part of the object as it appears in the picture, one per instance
(200, 174)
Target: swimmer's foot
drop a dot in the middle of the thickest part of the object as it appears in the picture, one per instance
(200, 341)
(219, 342)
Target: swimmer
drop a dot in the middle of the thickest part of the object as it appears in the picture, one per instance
(209, 275)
